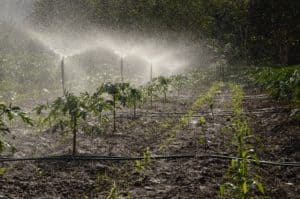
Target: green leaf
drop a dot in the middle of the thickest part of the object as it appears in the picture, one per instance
(1, 146)
(222, 190)
(244, 154)
(245, 187)
(9, 114)
(2, 171)
(260, 187)
(233, 163)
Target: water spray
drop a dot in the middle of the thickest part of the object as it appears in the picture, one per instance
(63, 76)
(106, 72)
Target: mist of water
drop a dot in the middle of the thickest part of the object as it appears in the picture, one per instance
(107, 47)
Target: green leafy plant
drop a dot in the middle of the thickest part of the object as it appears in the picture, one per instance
(134, 96)
(66, 111)
(10, 112)
(282, 83)
(123, 93)
(148, 91)
(114, 91)
(162, 85)
(178, 82)
(95, 103)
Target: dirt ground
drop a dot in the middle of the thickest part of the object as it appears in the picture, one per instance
(278, 139)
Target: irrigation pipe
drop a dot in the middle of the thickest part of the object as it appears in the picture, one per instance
(124, 158)
(223, 113)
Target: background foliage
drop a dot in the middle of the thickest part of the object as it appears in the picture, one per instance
(252, 31)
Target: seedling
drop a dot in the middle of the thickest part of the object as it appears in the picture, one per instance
(68, 110)
(134, 96)
(242, 180)
(113, 193)
(113, 90)
(178, 81)
(141, 165)
(149, 90)
(162, 85)
(96, 104)
(201, 123)
(210, 102)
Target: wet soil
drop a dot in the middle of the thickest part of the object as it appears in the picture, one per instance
(277, 139)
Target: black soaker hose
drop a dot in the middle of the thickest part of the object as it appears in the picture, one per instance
(119, 158)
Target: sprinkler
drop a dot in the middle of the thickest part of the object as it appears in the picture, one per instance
(63, 76)
(151, 72)
(151, 77)
(121, 68)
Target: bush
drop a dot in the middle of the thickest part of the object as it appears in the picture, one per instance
(282, 83)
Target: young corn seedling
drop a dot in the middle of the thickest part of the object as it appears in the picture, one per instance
(201, 124)
(113, 193)
(242, 180)
(210, 102)
(142, 165)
